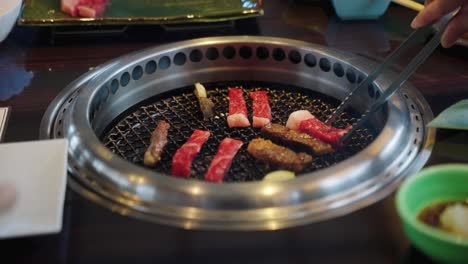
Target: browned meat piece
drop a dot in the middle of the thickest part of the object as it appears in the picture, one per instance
(158, 141)
(296, 140)
(278, 156)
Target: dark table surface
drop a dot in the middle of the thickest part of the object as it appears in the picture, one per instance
(36, 64)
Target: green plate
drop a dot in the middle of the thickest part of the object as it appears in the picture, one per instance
(125, 12)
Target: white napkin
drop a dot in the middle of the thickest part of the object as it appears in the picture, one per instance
(37, 170)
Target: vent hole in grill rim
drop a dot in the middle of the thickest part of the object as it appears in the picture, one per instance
(278, 54)
(325, 64)
(151, 67)
(295, 57)
(196, 55)
(310, 60)
(180, 58)
(245, 52)
(103, 94)
(262, 53)
(164, 63)
(338, 69)
(229, 52)
(212, 53)
(350, 75)
(125, 79)
(114, 86)
(137, 73)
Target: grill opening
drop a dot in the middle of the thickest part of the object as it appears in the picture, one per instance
(129, 134)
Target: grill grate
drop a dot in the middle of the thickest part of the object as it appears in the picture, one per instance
(130, 134)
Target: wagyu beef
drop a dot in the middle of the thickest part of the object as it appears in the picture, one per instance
(303, 121)
(221, 163)
(261, 108)
(182, 159)
(237, 109)
(84, 8)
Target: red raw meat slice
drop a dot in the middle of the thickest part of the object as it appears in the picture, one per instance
(316, 128)
(223, 159)
(70, 6)
(261, 108)
(237, 109)
(296, 117)
(86, 11)
(99, 6)
(182, 160)
(84, 8)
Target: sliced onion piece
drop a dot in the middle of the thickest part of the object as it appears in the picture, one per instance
(279, 175)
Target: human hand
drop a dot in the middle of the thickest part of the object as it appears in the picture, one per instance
(7, 196)
(436, 9)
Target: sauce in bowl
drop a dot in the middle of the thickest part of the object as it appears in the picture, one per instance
(449, 216)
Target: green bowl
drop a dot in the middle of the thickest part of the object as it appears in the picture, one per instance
(433, 184)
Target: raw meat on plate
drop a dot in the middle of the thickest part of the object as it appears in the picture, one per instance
(84, 8)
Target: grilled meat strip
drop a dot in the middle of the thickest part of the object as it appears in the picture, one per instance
(296, 140)
(278, 156)
(158, 141)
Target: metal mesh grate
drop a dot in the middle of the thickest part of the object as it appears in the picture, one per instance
(129, 136)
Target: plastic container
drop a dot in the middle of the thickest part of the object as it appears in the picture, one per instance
(360, 9)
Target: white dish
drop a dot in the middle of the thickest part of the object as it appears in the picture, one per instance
(37, 172)
(9, 12)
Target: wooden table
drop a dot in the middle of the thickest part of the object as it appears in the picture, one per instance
(45, 63)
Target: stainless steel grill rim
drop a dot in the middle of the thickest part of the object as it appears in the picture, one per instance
(239, 206)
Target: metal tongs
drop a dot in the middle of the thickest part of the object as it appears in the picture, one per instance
(427, 50)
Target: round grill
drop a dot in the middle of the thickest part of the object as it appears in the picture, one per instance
(108, 114)
(130, 137)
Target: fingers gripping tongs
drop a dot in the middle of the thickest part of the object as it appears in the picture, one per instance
(404, 75)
